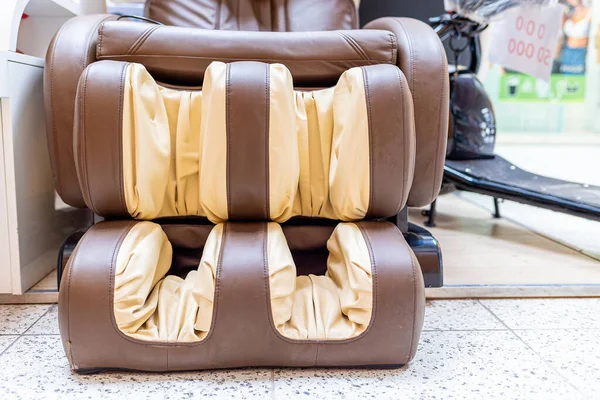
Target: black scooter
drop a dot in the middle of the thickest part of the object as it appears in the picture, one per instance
(471, 164)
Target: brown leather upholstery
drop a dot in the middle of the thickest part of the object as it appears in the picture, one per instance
(316, 59)
(99, 154)
(256, 15)
(71, 50)
(97, 141)
(242, 333)
(180, 55)
(381, 149)
(422, 58)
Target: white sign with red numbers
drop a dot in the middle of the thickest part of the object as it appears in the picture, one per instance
(526, 39)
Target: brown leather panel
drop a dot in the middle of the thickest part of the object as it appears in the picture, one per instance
(71, 50)
(398, 304)
(255, 15)
(422, 58)
(247, 118)
(181, 55)
(242, 333)
(98, 137)
(85, 308)
(391, 139)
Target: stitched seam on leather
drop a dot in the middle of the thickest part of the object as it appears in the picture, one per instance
(68, 301)
(266, 136)
(144, 38)
(374, 274)
(100, 39)
(217, 287)
(437, 147)
(267, 283)
(412, 75)
(352, 44)
(414, 275)
(371, 142)
(121, 57)
(84, 144)
(414, 313)
(111, 294)
(137, 41)
(357, 46)
(394, 48)
(404, 119)
(122, 199)
(228, 136)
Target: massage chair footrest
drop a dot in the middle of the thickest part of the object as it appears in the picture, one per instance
(244, 329)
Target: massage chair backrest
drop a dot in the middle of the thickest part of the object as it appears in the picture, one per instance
(256, 15)
(178, 57)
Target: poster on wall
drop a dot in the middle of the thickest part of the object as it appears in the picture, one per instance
(567, 79)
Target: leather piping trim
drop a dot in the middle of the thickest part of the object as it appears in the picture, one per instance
(266, 139)
(414, 285)
(122, 199)
(355, 46)
(142, 39)
(228, 136)
(371, 143)
(405, 116)
(436, 166)
(83, 142)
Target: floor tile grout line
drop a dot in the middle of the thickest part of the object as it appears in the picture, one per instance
(552, 367)
(19, 335)
(37, 320)
(10, 345)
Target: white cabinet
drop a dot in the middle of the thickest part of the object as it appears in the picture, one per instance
(31, 227)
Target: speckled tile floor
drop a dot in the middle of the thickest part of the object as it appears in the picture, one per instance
(469, 349)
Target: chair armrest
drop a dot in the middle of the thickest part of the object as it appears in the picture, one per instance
(422, 58)
(71, 50)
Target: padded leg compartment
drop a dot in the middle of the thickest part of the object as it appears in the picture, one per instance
(138, 295)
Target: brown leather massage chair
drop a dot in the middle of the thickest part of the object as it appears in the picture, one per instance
(246, 158)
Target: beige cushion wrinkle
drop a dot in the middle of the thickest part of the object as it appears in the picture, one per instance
(333, 306)
(161, 148)
(284, 167)
(150, 305)
(213, 168)
(349, 169)
(154, 306)
(175, 148)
